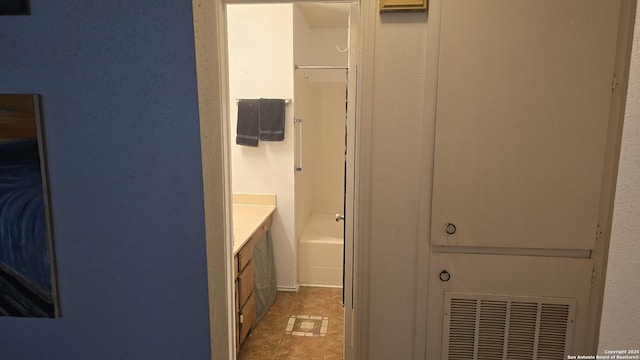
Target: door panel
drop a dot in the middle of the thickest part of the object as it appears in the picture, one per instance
(523, 102)
(507, 276)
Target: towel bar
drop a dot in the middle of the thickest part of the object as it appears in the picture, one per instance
(286, 101)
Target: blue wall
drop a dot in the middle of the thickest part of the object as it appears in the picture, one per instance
(119, 94)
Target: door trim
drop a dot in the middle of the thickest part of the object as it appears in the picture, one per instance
(426, 183)
(212, 74)
(210, 47)
(600, 254)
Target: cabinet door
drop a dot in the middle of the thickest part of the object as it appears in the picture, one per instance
(246, 282)
(248, 317)
(523, 104)
(504, 276)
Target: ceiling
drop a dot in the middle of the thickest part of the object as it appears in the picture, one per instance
(326, 15)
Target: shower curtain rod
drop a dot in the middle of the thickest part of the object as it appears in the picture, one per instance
(320, 67)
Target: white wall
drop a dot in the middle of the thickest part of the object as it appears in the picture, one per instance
(621, 308)
(269, 167)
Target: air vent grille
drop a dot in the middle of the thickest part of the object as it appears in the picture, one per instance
(522, 330)
(493, 315)
(553, 327)
(462, 329)
(493, 327)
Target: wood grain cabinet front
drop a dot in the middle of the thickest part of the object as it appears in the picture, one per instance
(244, 272)
(244, 284)
(247, 317)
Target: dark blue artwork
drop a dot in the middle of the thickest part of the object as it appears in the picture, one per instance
(14, 7)
(25, 256)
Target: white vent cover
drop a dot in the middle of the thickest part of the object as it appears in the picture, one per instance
(494, 327)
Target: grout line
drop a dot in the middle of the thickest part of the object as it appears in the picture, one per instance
(285, 329)
(278, 348)
(326, 341)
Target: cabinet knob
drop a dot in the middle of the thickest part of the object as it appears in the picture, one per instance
(450, 228)
(445, 276)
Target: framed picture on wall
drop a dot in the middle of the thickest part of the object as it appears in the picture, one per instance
(27, 271)
(403, 5)
(14, 7)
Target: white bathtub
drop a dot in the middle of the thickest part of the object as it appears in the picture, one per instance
(320, 252)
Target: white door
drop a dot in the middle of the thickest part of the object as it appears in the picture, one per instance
(523, 101)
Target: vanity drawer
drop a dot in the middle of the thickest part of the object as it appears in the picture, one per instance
(245, 255)
(236, 269)
(236, 293)
(245, 284)
(247, 317)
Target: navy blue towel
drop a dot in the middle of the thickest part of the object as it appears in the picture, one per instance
(248, 122)
(272, 119)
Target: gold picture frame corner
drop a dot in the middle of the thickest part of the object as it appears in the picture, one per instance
(403, 5)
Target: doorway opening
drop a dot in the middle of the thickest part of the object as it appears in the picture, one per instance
(302, 56)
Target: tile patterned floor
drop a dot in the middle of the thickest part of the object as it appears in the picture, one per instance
(269, 339)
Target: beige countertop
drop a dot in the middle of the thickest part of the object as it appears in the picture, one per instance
(249, 212)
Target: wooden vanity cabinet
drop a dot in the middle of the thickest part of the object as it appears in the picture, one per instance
(244, 284)
(246, 301)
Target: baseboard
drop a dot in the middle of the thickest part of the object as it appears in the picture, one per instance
(322, 286)
(289, 288)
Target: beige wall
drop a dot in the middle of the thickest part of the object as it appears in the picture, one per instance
(621, 308)
(324, 159)
(396, 153)
(317, 46)
(319, 186)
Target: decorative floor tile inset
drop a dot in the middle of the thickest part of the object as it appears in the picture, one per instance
(307, 325)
